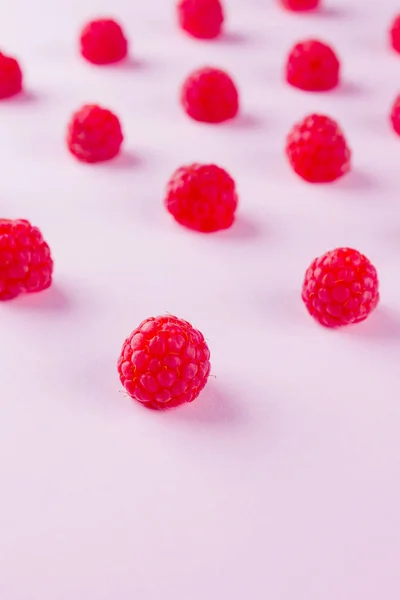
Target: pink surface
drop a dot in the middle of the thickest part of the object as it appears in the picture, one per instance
(282, 480)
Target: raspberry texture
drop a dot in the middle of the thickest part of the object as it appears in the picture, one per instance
(312, 66)
(164, 362)
(394, 34)
(317, 149)
(395, 115)
(26, 265)
(103, 42)
(209, 95)
(94, 134)
(341, 287)
(10, 77)
(300, 5)
(202, 197)
(202, 19)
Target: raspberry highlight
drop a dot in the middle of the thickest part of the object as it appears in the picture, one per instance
(26, 265)
(341, 287)
(312, 66)
(300, 5)
(10, 77)
(103, 42)
(210, 95)
(202, 197)
(317, 149)
(201, 19)
(394, 34)
(164, 362)
(94, 134)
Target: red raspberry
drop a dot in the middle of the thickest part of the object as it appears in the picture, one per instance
(395, 115)
(300, 5)
(94, 134)
(341, 287)
(164, 362)
(202, 197)
(10, 77)
(394, 33)
(26, 265)
(317, 149)
(313, 67)
(201, 18)
(210, 95)
(103, 42)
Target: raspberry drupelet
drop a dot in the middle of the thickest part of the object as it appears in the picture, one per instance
(210, 95)
(341, 287)
(394, 33)
(103, 42)
(317, 149)
(202, 197)
(164, 362)
(395, 115)
(300, 5)
(94, 134)
(26, 265)
(201, 19)
(10, 77)
(312, 66)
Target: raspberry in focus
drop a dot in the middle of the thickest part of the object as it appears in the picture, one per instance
(395, 115)
(209, 95)
(103, 42)
(317, 149)
(394, 34)
(10, 77)
(312, 66)
(201, 19)
(26, 265)
(164, 362)
(341, 287)
(202, 197)
(300, 5)
(94, 134)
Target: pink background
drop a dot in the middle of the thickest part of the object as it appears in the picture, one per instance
(282, 481)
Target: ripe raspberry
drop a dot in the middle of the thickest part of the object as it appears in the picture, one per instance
(103, 42)
(341, 287)
(317, 149)
(10, 77)
(26, 265)
(300, 5)
(202, 197)
(94, 134)
(209, 95)
(201, 18)
(313, 67)
(164, 362)
(394, 33)
(395, 115)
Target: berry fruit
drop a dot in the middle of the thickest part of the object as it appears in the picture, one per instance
(164, 362)
(103, 42)
(395, 115)
(10, 77)
(313, 67)
(341, 287)
(300, 5)
(202, 19)
(202, 197)
(317, 149)
(394, 34)
(209, 95)
(94, 134)
(26, 265)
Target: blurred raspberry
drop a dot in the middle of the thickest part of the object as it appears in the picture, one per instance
(94, 134)
(202, 19)
(210, 95)
(300, 5)
(26, 265)
(202, 197)
(10, 77)
(312, 66)
(164, 362)
(394, 33)
(341, 287)
(395, 115)
(103, 42)
(317, 149)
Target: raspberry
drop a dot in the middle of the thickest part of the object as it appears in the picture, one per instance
(395, 115)
(313, 67)
(202, 197)
(210, 95)
(10, 77)
(394, 34)
(103, 42)
(341, 287)
(26, 265)
(201, 18)
(94, 134)
(317, 149)
(164, 362)
(300, 5)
